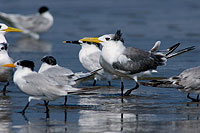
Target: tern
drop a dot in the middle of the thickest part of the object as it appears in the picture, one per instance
(60, 74)
(187, 81)
(130, 62)
(38, 86)
(89, 55)
(33, 24)
(5, 73)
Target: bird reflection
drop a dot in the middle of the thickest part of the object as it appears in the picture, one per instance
(5, 117)
(27, 44)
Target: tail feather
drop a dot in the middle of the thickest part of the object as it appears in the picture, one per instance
(172, 48)
(86, 89)
(87, 76)
(181, 52)
(155, 47)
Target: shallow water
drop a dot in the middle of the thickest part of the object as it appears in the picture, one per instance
(102, 110)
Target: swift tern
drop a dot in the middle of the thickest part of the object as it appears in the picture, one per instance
(38, 86)
(32, 25)
(89, 58)
(5, 73)
(60, 74)
(130, 62)
(188, 81)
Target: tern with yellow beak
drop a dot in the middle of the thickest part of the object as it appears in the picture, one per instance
(5, 73)
(130, 62)
(38, 86)
(33, 24)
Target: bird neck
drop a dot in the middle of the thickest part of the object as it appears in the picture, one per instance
(2, 39)
(112, 51)
(47, 15)
(44, 67)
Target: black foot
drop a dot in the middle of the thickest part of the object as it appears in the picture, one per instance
(128, 92)
(193, 99)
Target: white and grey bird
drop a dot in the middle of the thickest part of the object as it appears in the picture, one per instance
(130, 62)
(89, 55)
(188, 81)
(33, 24)
(38, 86)
(5, 73)
(60, 74)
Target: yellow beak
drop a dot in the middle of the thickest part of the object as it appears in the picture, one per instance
(92, 39)
(11, 29)
(8, 65)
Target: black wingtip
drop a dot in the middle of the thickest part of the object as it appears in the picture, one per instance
(172, 48)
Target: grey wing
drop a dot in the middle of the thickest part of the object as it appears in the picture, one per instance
(91, 63)
(60, 70)
(61, 75)
(40, 85)
(134, 60)
(190, 79)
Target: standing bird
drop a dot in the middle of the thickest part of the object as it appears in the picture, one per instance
(38, 86)
(130, 62)
(188, 81)
(5, 73)
(60, 74)
(32, 25)
(89, 57)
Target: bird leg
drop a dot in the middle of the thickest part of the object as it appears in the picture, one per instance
(128, 92)
(94, 83)
(47, 109)
(23, 111)
(122, 88)
(46, 104)
(65, 103)
(193, 99)
(5, 86)
(109, 83)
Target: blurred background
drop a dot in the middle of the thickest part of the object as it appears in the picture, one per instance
(142, 22)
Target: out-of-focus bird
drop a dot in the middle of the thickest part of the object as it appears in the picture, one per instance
(89, 58)
(5, 73)
(38, 86)
(60, 74)
(188, 81)
(33, 24)
(130, 62)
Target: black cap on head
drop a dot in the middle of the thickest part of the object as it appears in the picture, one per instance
(49, 60)
(43, 9)
(26, 63)
(118, 36)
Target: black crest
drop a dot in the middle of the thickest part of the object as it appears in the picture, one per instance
(118, 36)
(43, 9)
(49, 60)
(26, 63)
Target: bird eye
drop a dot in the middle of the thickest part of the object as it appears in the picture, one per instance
(0, 26)
(107, 38)
(17, 63)
(2, 48)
